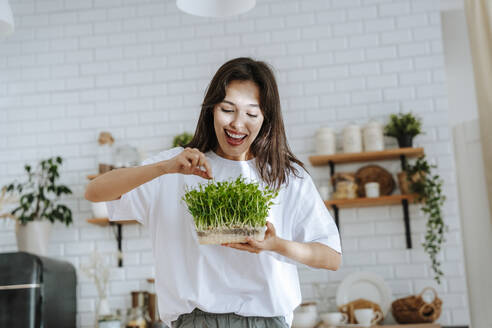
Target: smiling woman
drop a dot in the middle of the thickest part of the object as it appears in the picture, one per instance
(240, 132)
(238, 120)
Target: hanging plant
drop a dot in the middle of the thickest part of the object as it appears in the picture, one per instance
(428, 187)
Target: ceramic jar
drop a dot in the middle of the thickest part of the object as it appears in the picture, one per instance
(99, 209)
(373, 137)
(325, 141)
(372, 189)
(352, 139)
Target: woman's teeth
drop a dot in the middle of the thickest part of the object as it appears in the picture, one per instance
(235, 136)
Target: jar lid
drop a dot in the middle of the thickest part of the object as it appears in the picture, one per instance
(352, 127)
(373, 124)
(324, 130)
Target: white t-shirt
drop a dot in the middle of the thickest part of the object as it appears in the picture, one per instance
(215, 278)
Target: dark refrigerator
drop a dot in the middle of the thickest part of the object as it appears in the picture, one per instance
(36, 292)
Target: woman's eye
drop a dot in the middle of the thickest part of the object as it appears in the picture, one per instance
(251, 115)
(226, 110)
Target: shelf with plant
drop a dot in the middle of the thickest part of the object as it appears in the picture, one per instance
(229, 211)
(427, 186)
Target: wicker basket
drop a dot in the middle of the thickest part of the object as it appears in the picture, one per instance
(413, 309)
(374, 173)
(359, 303)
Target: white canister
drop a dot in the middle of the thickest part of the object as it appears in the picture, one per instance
(352, 139)
(99, 210)
(325, 141)
(372, 189)
(373, 137)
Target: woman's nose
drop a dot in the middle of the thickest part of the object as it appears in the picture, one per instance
(237, 122)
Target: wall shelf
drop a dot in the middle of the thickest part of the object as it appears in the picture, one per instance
(366, 202)
(104, 222)
(319, 160)
(390, 154)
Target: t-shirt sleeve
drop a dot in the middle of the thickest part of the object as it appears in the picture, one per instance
(313, 221)
(308, 217)
(136, 204)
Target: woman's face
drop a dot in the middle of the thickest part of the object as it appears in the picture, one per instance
(237, 120)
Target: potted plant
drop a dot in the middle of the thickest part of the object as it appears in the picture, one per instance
(403, 127)
(428, 188)
(38, 205)
(229, 211)
(182, 139)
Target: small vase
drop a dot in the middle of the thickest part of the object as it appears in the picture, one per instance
(103, 307)
(405, 141)
(33, 237)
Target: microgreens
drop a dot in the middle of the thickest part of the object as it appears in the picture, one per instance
(229, 204)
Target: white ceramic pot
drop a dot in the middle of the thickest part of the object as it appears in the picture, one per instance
(352, 139)
(33, 237)
(373, 137)
(372, 189)
(99, 210)
(304, 319)
(325, 141)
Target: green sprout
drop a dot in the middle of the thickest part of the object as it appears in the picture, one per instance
(229, 204)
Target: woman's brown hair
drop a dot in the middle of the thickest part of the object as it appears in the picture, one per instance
(274, 159)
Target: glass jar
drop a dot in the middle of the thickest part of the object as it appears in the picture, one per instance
(137, 317)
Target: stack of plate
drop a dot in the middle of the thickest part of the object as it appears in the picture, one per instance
(366, 285)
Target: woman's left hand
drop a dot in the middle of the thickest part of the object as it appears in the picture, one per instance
(268, 244)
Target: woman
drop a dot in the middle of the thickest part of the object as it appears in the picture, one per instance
(255, 284)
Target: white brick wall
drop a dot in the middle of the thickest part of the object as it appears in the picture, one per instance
(139, 69)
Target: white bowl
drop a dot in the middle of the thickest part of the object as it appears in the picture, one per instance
(304, 320)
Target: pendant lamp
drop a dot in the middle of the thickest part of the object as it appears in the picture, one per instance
(6, 19)
(215, 8)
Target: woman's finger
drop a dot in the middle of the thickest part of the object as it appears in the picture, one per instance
(201, 173)
(206, 165)
(194, 158)
(243, 247)
(208, 168)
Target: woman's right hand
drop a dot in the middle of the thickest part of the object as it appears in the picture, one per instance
(190, 161)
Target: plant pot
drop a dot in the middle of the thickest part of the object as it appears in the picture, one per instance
(230, 235)
(405, 141)
(403, 183)
(33, 237)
